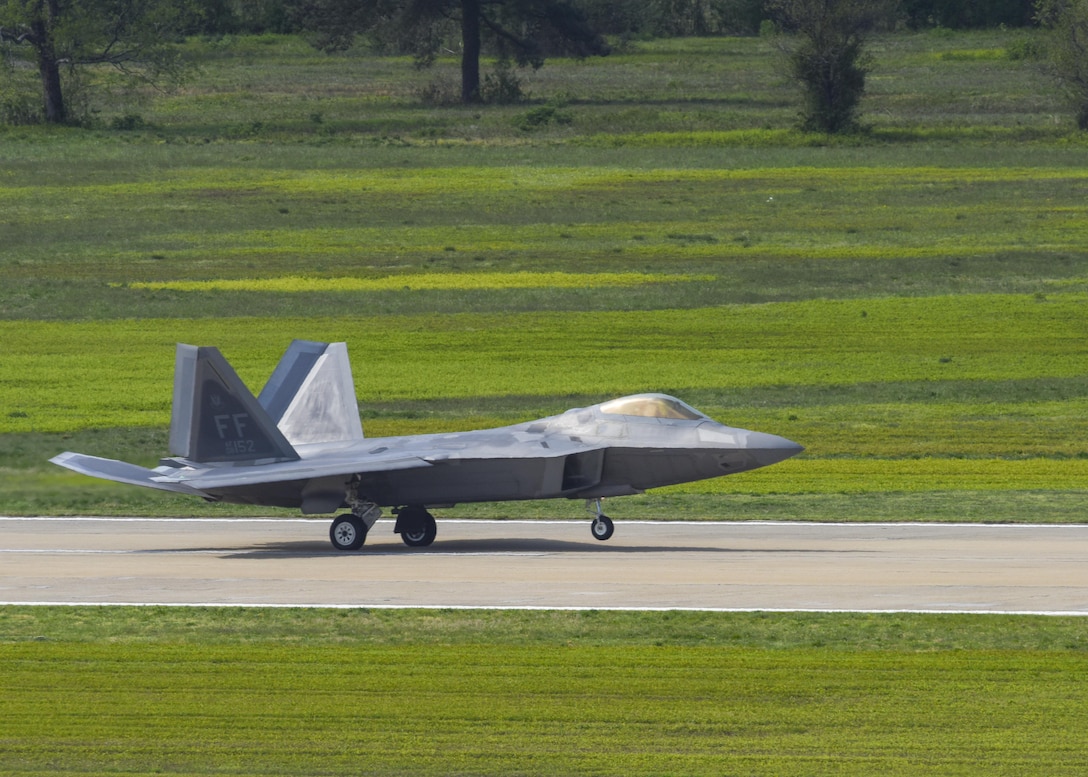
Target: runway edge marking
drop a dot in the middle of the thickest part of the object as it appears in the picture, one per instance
(534, 608)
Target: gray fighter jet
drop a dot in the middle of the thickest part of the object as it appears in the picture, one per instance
(300, 444)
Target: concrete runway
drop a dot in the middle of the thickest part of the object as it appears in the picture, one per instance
(552, 564)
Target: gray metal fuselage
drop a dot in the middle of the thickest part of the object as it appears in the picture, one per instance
(584, 453)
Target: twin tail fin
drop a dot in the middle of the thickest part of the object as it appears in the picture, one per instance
(310, 398)
(215, 418)
(311, 394)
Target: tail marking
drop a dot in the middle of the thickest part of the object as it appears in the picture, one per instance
(215, 418)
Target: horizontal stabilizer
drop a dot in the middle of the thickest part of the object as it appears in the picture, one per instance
(311, 394)
(120, 472)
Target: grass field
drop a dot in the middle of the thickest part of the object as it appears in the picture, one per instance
(909, 304)
(197, 691)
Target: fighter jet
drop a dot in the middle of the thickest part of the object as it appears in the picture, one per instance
(300, 444)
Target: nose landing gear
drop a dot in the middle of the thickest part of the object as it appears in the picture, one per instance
(601, 527)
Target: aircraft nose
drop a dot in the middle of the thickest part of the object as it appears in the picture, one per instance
(769, 449)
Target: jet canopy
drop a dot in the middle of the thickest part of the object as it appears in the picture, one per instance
(652, 406)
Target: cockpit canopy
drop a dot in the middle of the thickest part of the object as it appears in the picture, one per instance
(652, 406)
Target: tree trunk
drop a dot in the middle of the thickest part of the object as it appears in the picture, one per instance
(48, 67)
(470, 51)
(53, 99)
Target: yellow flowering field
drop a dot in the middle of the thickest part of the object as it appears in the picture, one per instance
(423, 281)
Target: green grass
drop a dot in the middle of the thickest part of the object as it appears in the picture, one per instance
(922, 439)
(235, 691)
(814, 344)
(907, 303)
(198, 223)
(300, 284)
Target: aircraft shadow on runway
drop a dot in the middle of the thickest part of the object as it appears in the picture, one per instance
(474, 547)
(455, 547)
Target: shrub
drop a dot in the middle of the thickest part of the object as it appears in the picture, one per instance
(1067, 21)
(824, 47)
(503, 87)
(541, 116)
(19, 109)
(129, 121)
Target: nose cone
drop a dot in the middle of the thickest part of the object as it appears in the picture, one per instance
(766, 449)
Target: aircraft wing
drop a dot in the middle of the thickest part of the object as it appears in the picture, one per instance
(280, 472)
(319, 475)
(198, 481)
(481, 446)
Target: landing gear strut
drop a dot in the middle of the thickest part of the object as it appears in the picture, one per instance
(415, 526)
(601, 527)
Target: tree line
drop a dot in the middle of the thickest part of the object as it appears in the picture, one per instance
(642, 18)
(823, 42)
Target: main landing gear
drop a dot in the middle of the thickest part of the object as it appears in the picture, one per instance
(415, 526)
(601, 527)
(348, 531)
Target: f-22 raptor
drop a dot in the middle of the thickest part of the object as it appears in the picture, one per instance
(300, 444)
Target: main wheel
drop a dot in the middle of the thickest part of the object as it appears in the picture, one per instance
(602, 527)
(417, 527)
(347, 532)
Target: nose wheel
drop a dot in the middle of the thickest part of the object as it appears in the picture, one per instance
(601, 527)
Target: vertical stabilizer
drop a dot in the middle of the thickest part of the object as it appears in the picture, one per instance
(311, 394)
(215, 417)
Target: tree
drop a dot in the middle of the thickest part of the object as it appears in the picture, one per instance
(824, 45)
(525, 31)
(1067, 49)
(133, 36)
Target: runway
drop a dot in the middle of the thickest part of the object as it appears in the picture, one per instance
(549, 564)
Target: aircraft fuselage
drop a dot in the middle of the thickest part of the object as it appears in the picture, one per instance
(584, 453)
